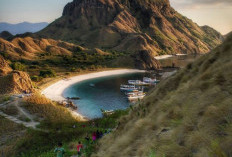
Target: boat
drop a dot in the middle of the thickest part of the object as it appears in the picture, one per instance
(107, 112)
(92, 85)
(137, 82)
(136, 96)
(134, 92)
(128, 88)
(150, 80)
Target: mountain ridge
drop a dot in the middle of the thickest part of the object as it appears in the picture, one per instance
(23, 27)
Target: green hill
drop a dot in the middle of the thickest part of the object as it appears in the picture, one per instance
(188, 114)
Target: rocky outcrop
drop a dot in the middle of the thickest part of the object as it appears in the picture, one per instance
(15, 82)
(4, 67)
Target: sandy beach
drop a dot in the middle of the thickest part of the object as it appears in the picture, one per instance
(163, 57)
(55, 91)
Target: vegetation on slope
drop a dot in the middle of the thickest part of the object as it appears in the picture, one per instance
(188, 114)
(56, 125)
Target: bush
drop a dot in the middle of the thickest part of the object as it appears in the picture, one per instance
(47, 73)
(73, 69)
(35, 78)
(18, 66)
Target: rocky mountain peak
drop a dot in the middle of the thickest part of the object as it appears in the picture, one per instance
(149, 26)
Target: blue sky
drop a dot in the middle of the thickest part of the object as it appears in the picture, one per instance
(215, 13)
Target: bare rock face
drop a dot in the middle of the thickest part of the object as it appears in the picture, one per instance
(15, 82)
(4, 67)
(131, 25)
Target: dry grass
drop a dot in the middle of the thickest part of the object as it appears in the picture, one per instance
(10, 110)
(189, 114)
(9, 133)
(49, 111)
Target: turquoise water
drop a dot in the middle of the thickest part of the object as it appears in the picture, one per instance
(105, 94)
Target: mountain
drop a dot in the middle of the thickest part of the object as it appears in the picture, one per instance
(23, 27)
(188, 114)
(6, 35)
(144, 27)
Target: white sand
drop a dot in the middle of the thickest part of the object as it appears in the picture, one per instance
(179, 54)
(55, 91)
(163, 57)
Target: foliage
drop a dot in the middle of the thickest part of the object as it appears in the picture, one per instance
(47, 73)
(18, 66)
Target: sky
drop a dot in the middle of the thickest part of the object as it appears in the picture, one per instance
(215, 13)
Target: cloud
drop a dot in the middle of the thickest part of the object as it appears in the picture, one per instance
(200, 3)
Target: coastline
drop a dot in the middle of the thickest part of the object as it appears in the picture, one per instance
(163, 57)
(55, 91)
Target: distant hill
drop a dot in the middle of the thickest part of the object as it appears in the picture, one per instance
(6, 35)
(21, 28)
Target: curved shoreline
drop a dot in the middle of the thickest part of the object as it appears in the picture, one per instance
(55, 91)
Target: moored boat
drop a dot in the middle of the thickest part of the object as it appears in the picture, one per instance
(128, 88)
(138, 82)
(136, 96)
(150, 80)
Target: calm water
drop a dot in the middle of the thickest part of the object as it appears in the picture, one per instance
(105, 94)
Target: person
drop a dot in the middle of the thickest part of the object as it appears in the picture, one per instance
(59, 150)
(87, 137)
(98, 134)
(94, 136)
(79, 148)
(86, 142)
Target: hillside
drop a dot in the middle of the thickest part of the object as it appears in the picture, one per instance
(23, 27)
(57, 53)
(144, 27)
(188, 114)
(28, 47)
(13, 81)
(6, 35)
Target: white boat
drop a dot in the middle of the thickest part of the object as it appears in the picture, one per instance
(128, 88)
(92, 85)
(137, 82)
(134, 92)
(150, 80)
(136, 96)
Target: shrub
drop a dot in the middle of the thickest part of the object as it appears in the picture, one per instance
(35, 78)
(18, 66)
(73, 69)
(47, 73)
